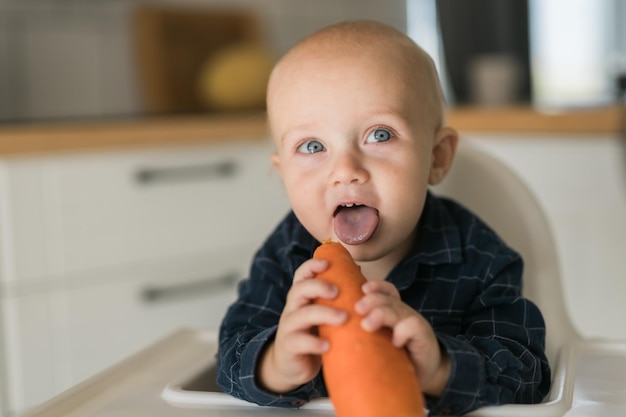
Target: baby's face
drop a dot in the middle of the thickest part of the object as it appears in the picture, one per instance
(353, 151)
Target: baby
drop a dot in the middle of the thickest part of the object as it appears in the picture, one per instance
(357, 116)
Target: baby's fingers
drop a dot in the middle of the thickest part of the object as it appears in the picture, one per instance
(305, 344)
(413, 328)
(375, 300)
(315, 314)
(310, 269)
(381, 310)
(381, 287)
(310, 316)
(384, 316)
(305, 291)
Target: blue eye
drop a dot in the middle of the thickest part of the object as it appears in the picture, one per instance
(379, 135)
(311, 146)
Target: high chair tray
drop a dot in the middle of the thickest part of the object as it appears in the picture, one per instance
(590, 380)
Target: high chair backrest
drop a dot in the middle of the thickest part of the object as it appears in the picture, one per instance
(497, 194)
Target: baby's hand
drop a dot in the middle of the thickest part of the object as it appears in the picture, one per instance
(381, 306)
(294, 357)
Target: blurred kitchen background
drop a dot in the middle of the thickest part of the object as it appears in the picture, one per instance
(73, 59)
(135, 181)
(83, 59)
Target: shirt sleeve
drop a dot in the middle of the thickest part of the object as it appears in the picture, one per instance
(499, 357)
(249, 325)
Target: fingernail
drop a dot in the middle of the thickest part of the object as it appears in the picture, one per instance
(342, 315)
(334, 291)
(366, 325)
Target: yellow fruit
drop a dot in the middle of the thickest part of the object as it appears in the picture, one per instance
(235, 78)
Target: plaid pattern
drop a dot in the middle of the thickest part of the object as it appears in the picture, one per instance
(459, 275)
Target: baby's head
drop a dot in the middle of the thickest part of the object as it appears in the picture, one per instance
(356, 113)
(386, 49)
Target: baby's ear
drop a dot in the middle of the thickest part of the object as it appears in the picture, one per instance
(444, 148)
(276, 162)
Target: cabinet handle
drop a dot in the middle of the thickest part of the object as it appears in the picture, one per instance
(162, 293)
(208, 171)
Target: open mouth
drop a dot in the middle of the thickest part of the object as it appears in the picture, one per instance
(355, 223)
(346, 206)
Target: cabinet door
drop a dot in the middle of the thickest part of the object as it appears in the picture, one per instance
(56, 338)
(132, 207)
(114, 317)
(33, 354)
(26, 212)
(103, 253)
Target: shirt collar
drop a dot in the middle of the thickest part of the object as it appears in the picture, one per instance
(300, 240)
(437, 242)
(438, 238)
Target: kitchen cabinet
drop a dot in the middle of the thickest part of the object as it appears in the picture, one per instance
(139, 206)
(103, 252)
(147, 302)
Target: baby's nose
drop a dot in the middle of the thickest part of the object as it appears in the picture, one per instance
(348, 168)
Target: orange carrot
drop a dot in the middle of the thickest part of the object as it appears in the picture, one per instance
(365, 375)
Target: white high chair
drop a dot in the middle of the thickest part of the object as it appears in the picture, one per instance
(588, 377)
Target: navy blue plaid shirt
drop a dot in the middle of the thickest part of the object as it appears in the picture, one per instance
(459, 275)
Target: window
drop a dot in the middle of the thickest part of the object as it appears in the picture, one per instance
(577, 48)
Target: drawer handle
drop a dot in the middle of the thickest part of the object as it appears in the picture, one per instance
(163, 293)
(208, 171)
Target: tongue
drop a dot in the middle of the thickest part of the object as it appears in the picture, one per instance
(354, 225)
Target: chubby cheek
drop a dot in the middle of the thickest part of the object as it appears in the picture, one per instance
(406, 197)
(296, 184)
(306, 198)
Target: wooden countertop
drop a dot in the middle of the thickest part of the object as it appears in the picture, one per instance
(70, 136)
(605, 120)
